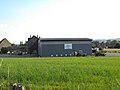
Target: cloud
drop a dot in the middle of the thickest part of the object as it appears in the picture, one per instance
(3, 26)
(74, 18)
(69, 18)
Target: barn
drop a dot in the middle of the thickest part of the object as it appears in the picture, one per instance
(58, 47)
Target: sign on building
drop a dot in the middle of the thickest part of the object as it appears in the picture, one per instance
(67, 46)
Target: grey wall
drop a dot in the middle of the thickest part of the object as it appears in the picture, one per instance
(33, 45)
(46, 50)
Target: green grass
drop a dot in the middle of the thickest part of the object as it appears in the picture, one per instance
(70, 73)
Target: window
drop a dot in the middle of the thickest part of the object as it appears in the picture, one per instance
(67, 46)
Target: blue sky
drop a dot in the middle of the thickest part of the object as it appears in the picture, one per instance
(96, 19)
(10, 9)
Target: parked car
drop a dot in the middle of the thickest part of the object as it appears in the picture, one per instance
(100, 54)
(80, 53)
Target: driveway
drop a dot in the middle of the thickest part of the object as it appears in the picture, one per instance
(112, 54)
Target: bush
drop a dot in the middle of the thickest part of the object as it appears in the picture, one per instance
(4, 50)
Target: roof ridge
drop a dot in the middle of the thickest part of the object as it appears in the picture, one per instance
(4, 40)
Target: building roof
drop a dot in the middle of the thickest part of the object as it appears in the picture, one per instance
(4, 40)
(65, 39)
(4, 43)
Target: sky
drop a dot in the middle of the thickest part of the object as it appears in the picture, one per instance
(95, 19)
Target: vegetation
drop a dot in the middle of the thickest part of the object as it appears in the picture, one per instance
(107, 44)
(4, 50)
(70, 73)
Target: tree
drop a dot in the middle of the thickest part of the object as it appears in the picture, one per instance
(4, 50)
(96, 43)
(117, 45)
(113, 43)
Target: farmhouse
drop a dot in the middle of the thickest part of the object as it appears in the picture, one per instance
(48, 47)
(4, 43)
(32, 45)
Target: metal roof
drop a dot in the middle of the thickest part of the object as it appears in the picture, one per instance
(65, 39)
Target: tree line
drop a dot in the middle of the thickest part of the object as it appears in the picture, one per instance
(106, 44)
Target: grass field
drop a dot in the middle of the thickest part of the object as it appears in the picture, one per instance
(70, 73)
(112, 50)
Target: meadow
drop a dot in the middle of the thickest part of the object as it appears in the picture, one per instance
(66, 73)
(112, 50)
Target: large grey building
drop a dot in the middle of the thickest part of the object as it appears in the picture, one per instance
(48, 47)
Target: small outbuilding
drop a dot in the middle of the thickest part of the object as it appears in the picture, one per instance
(58, 47)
